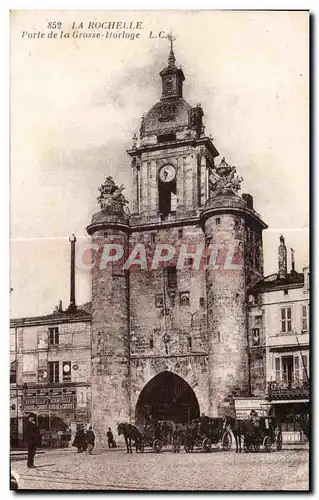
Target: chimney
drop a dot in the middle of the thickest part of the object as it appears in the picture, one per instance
(60, 306)
(72, 306)
(292, 260)
(282, 258)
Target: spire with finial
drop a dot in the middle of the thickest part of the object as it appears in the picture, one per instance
(171, 56)
(172, 77)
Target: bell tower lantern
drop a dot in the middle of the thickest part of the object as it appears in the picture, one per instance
(172, 77)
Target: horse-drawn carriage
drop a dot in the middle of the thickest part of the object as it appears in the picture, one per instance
(141, 437)
(202, 434)
(258, 433)
(265, 433)
(151, 436)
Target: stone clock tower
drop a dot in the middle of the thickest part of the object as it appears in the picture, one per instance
(171, 341)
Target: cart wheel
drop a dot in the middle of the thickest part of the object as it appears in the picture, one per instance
(226, 441)
(157, 445)
(257, 445)
(206, 445)
(267, 443)
(279, 441)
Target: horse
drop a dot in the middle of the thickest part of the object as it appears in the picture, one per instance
(246, 429)
(130, 433)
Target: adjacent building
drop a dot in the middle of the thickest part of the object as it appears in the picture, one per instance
(279, 311)
(50, 374)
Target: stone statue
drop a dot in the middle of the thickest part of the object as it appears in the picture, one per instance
(224, 180)
(196, 119)
(111, 197)
(142, 127)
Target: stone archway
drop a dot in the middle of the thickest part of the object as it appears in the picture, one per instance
(167, 397)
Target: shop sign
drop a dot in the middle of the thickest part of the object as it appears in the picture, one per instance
(243, 407)
(49, 399)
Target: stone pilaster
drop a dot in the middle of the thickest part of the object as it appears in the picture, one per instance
(144, 187)
(180, 183)
(203, 181)
(188, 179)
(153, 190)
(135, 188)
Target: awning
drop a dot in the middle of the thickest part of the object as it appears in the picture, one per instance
(281, 402)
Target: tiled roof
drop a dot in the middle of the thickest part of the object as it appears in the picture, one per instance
(273, 281)
(83, 312)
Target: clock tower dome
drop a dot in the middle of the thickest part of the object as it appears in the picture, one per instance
(172, 158)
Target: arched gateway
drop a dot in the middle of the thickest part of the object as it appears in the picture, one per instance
(167, 397)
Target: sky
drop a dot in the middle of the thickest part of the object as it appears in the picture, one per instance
(76, 103)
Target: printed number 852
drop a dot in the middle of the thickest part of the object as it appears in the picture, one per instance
(53, 25)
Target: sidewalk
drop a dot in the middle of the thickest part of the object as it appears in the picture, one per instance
(296, 446)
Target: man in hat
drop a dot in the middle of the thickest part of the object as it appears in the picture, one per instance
(90, 439)
(110, 438)
(32, 436)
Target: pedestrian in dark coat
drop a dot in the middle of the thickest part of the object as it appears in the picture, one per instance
(110, 438)
(90, 440)
(32, 436)
(79, 440)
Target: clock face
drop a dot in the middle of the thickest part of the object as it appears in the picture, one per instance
(167, 173)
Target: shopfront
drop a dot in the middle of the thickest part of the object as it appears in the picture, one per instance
(56, 413)
(293, 416)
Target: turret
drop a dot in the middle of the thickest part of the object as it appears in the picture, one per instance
(226, 219)
(110, 331)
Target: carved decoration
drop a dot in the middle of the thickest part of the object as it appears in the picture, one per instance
(167, 112)
(184, 299)
(111, 197)
(224, 180)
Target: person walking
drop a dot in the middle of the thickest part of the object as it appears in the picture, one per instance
(90, 440)
(110, 438)
(32, 436)
(79, 440)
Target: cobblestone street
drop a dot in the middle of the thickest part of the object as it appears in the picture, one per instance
(115, 470)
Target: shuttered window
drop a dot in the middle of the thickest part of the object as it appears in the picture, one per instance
(277, 368)
(304, 318)
(286, 320)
